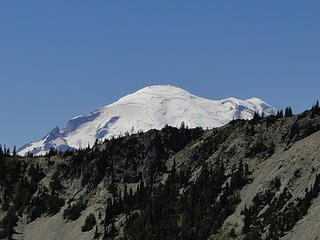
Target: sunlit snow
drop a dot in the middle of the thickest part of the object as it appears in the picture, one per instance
(148, 108)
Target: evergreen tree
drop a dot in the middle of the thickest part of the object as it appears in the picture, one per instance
(2, 169)
(315, 109)
(55, 183)
(90, 222)
(279, 114)
(288, 112)
(14, 152)
(9, 222)
(4, 149)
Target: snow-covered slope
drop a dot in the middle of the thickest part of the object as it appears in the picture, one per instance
(148, 108)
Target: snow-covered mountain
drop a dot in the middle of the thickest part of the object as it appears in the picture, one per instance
(148, 108)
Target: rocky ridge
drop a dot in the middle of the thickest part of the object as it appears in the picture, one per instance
(282, 155)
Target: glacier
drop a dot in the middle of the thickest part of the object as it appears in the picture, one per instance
(148, 108)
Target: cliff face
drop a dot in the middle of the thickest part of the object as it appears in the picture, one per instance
(271, 169)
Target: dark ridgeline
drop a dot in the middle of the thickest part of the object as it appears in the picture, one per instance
(160, 193)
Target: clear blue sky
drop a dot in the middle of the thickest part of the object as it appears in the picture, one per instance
(62, 58)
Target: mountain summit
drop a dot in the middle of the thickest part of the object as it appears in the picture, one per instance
(148, 108)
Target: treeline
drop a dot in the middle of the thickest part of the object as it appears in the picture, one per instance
(315, 109)
(5, 151)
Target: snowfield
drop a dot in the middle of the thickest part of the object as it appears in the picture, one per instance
(149, 108)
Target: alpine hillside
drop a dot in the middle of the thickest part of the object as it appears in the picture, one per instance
(255, 179)
(149, 108)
